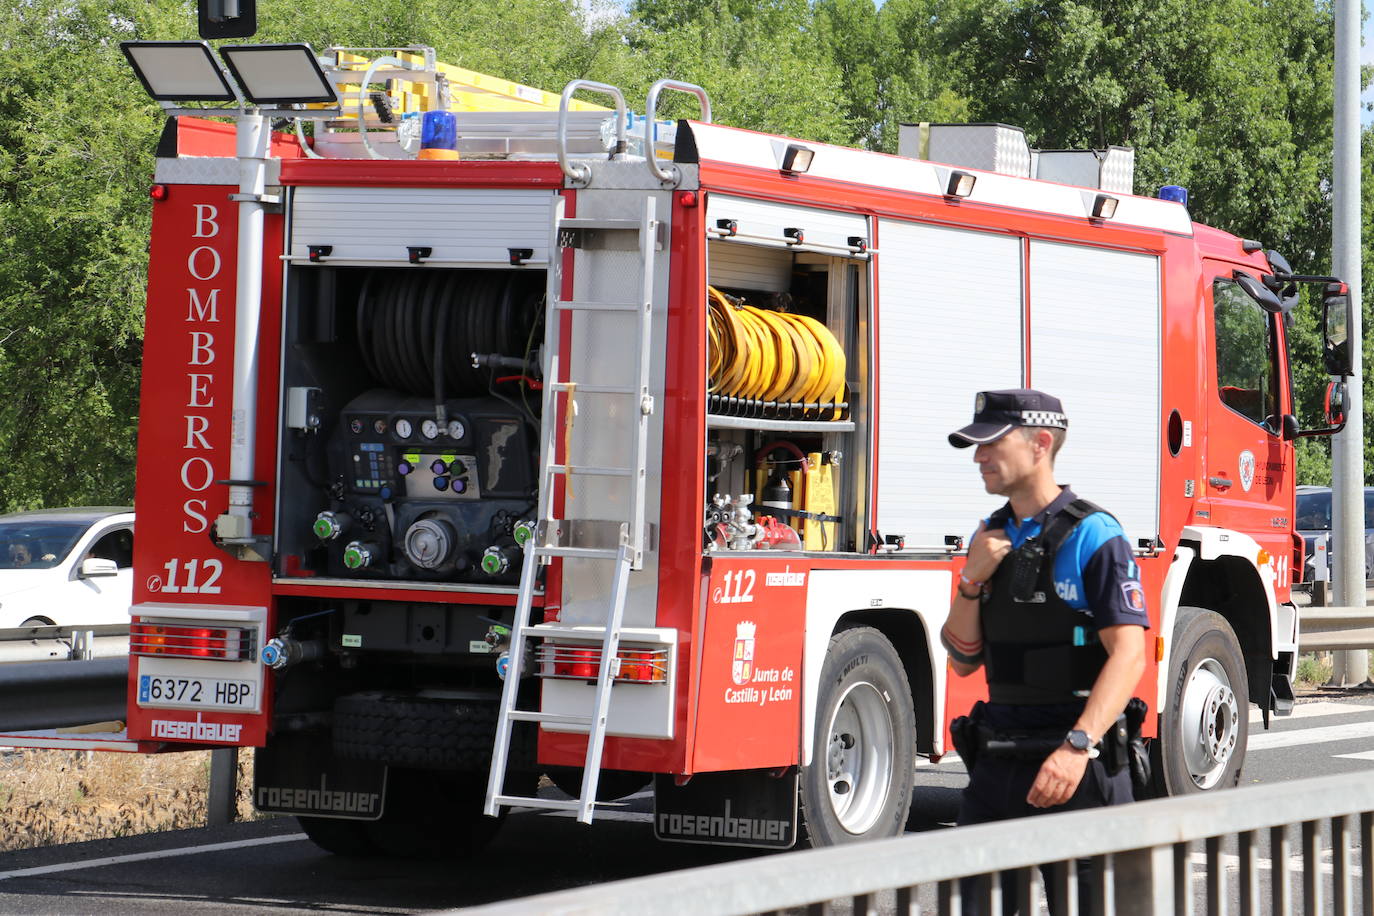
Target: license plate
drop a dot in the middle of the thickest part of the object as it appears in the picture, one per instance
(196, 692)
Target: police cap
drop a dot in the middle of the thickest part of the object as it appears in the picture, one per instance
(996, 413)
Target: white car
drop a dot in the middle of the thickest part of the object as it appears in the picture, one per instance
(66, 566)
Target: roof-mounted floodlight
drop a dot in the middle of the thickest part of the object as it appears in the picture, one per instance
(178, 71)
(797, 158)
(1104, 207)
(960, 184)
(278, 74)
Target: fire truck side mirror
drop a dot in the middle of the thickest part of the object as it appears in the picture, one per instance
(1336, 403)
(227, 18)
(1289, 428)
(1336, 329)
(1266, 297)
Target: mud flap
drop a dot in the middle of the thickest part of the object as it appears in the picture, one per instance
(297, 774)
(736, 808)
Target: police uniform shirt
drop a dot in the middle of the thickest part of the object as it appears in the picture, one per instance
(1094, 572)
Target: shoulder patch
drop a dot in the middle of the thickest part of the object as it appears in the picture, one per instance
(1134, 595)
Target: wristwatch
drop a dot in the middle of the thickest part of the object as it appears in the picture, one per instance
(1079, 740)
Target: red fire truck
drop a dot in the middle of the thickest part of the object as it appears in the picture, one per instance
(613, 450)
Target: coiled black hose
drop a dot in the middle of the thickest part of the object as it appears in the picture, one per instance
(417, 329)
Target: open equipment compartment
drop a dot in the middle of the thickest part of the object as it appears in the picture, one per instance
(801, 456)
(410, 439)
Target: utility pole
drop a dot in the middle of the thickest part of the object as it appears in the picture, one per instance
(1347, 447)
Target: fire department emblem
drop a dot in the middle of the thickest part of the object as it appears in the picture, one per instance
(1247, 470)
(742, 669)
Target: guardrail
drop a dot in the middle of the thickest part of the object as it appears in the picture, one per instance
(56, 677)
(38, 644)
(1144, 852)
(1335, 628)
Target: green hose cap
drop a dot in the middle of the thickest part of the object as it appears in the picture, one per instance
(356, 556)
(326, 527)
(493, 561)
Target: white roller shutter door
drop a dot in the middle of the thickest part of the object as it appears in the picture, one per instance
(459, 225)
(949, 324)
(1095, 344)
(762, 222)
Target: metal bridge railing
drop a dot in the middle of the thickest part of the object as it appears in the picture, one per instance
(1156, 858)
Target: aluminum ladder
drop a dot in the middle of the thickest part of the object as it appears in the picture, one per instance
(553, 536)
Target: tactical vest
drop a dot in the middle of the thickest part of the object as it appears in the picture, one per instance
(1037, 649)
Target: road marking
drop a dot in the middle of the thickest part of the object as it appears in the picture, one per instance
(1307, 710)
(1303, 736)
(1362, 755)
(1295, 863)
(145, 856)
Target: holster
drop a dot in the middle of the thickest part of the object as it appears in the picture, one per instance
(1114, 746)
(963, 731)
(1138, 757)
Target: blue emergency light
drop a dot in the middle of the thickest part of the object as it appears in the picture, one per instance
(1177, 194)
(438, 135)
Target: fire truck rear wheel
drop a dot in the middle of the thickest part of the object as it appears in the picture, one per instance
(438, 734)
(1201, 745)
(858, 785)
(433, 816)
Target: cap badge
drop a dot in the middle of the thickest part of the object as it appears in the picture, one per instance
(979, 402)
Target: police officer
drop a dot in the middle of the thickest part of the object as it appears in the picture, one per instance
(1050, 604)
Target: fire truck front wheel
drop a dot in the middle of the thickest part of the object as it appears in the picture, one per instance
(858, 785)
(1203, 732)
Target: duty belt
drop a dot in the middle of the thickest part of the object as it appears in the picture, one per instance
(1026, 745)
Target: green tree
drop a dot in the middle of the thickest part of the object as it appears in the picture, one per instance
(761, 63)
(74, 173)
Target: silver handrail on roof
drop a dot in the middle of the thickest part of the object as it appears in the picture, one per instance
(668, 175)
(580, 175)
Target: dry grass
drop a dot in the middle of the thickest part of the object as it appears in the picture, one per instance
(50, 797)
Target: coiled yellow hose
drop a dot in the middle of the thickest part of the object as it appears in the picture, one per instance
(771, 356)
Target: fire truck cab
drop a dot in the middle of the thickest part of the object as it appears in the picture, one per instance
(613, 450)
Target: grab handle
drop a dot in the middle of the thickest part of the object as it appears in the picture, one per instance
(579, 174)
(668, 175)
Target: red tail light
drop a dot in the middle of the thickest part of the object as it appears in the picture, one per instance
(161, 639)
(644, 666)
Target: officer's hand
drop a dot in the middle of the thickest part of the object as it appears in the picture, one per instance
(1058, 778)
(986, 552)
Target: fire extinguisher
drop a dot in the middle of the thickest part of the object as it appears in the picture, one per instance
(777, 493)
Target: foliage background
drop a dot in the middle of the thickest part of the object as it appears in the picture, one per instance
(1230, 98)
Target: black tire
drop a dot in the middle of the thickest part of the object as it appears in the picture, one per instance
(339, 836)
(419, 732)
(1204, 723)
(858, 786)
(427, 815)
(432, 815)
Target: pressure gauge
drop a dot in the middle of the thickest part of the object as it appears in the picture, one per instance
(456, 429)
(403, 428)
(429, 429)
